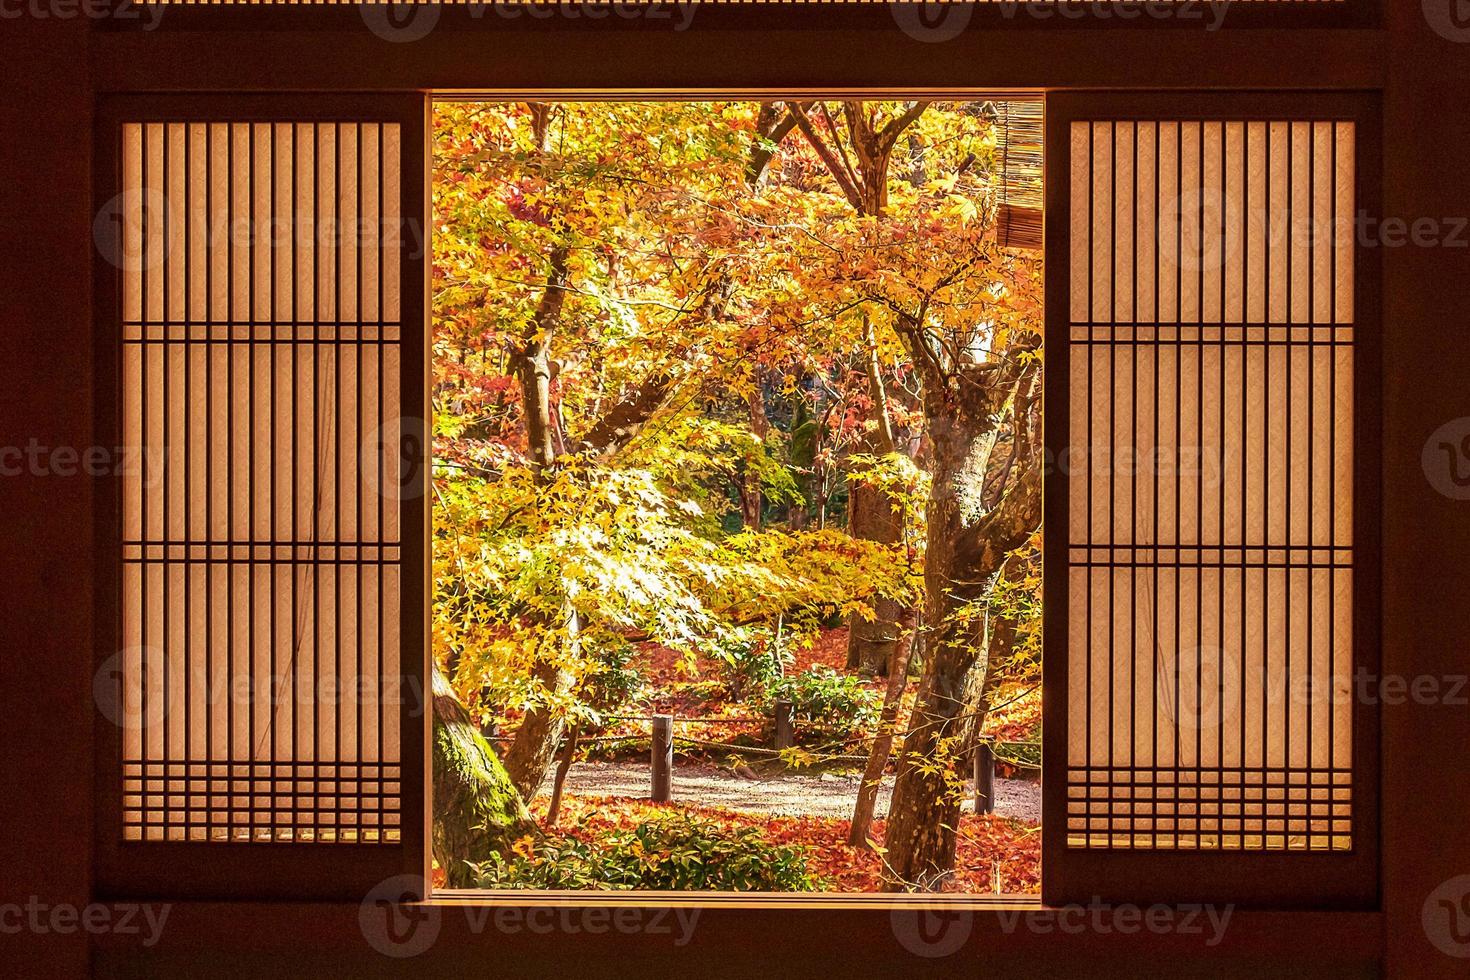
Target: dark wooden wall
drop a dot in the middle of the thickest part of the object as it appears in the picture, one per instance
(45, 521)
(46, 352)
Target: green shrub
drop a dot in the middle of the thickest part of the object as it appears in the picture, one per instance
(668, 853)
(837, 703)
(750, 662)
(612, 682)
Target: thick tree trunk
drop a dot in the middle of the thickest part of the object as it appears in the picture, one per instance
(477, 811)
(898, 674)
(967, 549)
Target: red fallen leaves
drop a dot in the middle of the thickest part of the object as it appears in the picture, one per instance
(1016, 717)
(989, 847)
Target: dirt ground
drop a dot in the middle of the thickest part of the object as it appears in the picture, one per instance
(771, 790)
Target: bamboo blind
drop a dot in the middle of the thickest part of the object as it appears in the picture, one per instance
(1019, 216)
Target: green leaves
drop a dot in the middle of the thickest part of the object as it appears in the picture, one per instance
(569, 569)
(672, 852)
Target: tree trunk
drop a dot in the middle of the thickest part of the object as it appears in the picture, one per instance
(898, 674)
(477, 811)
(863, 179)
(966, 553)
(751, 501)
(541, 729)
(562, 769)
(873, 515)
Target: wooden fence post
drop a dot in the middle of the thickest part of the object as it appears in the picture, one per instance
(984, 778)
(662, 790)
(785, 736)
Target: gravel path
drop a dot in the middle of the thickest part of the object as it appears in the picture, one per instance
(773, 791)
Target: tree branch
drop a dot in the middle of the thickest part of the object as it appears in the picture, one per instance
(834, 166)
(889, 134)
(620, 423)
(772, 125)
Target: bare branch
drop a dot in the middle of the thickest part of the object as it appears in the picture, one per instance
(852, 173)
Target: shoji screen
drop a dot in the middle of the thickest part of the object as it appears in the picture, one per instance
(263, 656)
(1209, 524)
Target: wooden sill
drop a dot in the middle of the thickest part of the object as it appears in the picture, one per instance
(735, 932)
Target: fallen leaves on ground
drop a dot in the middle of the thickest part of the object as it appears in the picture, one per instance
(992, 850)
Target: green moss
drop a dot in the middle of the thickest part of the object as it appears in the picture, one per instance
(477, 811)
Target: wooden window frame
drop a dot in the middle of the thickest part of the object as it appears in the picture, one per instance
(1291, 879)
(1070, 876)
(263, 869)
(307, 870)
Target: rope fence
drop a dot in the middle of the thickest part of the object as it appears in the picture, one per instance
(662, 741)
